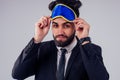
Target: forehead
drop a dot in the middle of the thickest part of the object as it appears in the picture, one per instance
(60, 20)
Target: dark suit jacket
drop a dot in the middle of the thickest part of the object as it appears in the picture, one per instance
(85, 63)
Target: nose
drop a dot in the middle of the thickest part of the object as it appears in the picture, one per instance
(60, 30)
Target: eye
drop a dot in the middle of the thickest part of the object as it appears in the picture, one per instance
(54, 25)
(67, 25)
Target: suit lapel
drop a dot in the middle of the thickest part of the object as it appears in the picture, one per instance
(54, 60)
(75, 51)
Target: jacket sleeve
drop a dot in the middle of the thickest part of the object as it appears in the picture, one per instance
(93, 62)
(26, 63)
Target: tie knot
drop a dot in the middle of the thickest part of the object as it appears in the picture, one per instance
(63, 51)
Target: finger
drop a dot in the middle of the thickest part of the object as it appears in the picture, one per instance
(83, 21)
(78, 21)
(47, 20)
(79, 28)
(82, 24)
(48, 17)
(38, 24)
(44, 20)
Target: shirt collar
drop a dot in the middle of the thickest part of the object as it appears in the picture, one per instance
(70, 46)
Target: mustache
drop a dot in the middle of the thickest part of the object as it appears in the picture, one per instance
(60, 36)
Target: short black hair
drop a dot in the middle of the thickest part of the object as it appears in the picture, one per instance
(74, 4)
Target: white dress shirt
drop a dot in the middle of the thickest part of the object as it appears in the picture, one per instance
(68, 53)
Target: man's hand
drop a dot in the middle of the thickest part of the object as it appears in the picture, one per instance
(41, 28)
(82, 28)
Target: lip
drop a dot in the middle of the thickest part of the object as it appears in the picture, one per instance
(60, 37)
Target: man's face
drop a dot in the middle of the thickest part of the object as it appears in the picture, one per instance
(63, 32)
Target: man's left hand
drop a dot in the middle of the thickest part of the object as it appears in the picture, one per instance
(82, 28)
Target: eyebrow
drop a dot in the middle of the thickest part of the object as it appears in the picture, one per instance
(68, 23)
(54, 22)
(62, 23)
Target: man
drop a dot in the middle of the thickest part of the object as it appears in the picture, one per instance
(70, 56)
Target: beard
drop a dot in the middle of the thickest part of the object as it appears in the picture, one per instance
(64, 43)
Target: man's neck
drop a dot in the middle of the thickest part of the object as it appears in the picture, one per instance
(70, 46)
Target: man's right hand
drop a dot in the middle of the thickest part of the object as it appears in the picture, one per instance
(41, 28)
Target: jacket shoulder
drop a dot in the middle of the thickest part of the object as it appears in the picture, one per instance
(93, 48)
(47, 43)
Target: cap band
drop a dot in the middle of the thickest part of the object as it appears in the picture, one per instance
(61, 10)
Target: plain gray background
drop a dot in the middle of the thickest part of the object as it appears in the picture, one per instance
(17, 19)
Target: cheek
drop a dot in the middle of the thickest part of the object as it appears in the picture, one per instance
(70, 32)
(54, 32)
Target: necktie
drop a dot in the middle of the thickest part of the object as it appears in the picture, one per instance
(61, 67)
